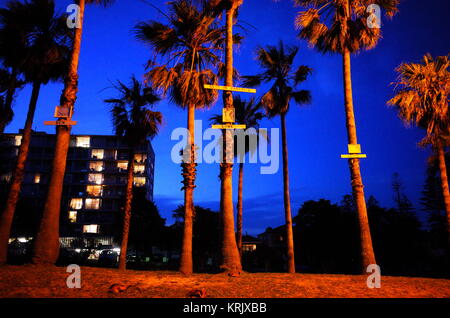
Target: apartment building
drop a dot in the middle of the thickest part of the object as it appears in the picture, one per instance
(94, 183)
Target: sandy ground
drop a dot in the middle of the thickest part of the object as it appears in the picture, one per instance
(33, 281)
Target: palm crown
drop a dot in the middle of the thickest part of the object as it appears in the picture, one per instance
(189, 42)
(48, 43)
(341, 25)
(277, 62)
(35, 40)
(131, 117)
(422, 96)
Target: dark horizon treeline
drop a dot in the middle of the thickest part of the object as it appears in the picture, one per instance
(325, 234)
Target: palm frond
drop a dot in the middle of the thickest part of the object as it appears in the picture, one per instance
(328, 26)
(130, 115)
(277, 63)
(421, 98)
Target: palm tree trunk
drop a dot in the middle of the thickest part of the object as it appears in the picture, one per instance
(287, 199)
(367, 254)
(240, 207)
(9, 97)
(46, 247)
(189, 173)
(127, 212)
(444, 183)
(19, 172)
(231, 262)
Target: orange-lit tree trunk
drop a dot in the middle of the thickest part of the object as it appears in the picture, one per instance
(127, 212)
(46, 247)
(444, 183)
(189, 173)
(17, 179)
(240, 208)
(287, 199)
(367, 254)
(231, 262)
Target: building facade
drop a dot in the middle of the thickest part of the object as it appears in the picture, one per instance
(94, 183)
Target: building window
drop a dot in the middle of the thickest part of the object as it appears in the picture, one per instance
(94, 190)
(92, 204)
(76, 203)
(97, 153)
(96, 178)
(72, 216)
(91, 228)
(246, 247)
(96, 165)
(37, 178)
(140, 157)
(122, 180)
(6, 177)
(139, 168)
(84, 142)
(122, 165)
(139, 181)
(17, 140)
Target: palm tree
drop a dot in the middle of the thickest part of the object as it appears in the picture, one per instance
(187, 44)
(277, 63)
(46, 246)
(46, 59)
(134, 122)
(422, 91)
(231, 261)
(346, 27)
(248, 114)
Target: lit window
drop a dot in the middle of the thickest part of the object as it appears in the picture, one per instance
(84, 142)
(139, 181)
(140, 157)
(139, 168)
(17, 140)
(91, 228)
(94, 190)
(96, 178)
(92, 204)
(249, 247)
(37, 178)
(97, 153)
(96, 165)
(6, 177)
(72, 216)
(122, 165)
(76, 204)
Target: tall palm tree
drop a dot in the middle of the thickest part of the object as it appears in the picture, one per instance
(231, 261)
(187, 45)
(135, 122)
(248, 114)
(422, 91)
(346, 27)
(277, 62)
(46, 59)
(46, 246)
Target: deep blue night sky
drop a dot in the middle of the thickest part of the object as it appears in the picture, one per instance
(316, 133)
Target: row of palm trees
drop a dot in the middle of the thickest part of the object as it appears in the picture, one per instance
(36, 46)
(186, 56)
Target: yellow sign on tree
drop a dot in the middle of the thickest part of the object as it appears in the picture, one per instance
(230, 88)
